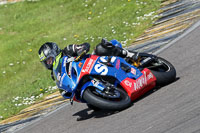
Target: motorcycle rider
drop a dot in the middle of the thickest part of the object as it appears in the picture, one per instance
(51, 55)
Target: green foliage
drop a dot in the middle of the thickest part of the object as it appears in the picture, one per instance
(25, 26)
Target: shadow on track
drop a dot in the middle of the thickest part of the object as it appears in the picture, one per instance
(89, 113)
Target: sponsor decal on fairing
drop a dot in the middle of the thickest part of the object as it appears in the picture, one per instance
(140, 83)
(88, 66)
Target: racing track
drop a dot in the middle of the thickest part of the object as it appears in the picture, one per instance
(171, 109)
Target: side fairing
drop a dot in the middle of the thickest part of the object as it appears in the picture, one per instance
(114, 68)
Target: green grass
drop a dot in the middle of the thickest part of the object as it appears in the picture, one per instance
(25, 26)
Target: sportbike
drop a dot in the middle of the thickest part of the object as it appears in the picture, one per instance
(111, 82)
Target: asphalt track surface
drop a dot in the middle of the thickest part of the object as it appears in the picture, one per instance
(171, 109)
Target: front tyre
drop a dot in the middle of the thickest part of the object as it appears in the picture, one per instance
(122, 101)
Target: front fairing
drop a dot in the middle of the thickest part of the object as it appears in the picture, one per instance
(70, 73)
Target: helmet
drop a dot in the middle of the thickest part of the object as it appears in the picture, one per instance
(48, 53)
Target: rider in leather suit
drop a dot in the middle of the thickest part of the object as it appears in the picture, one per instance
(51, 55)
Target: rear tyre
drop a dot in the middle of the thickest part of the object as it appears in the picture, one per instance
(165, 72)
(120, 102)
(162, 69)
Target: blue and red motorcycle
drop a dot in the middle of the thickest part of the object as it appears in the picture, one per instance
(110, 82)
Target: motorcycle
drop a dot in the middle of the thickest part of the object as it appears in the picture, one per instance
(110, 82)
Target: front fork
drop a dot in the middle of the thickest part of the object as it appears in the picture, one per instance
(93, 82)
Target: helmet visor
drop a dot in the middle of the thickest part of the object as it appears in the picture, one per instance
(48, 62)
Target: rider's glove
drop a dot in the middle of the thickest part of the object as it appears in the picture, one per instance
(75, 50)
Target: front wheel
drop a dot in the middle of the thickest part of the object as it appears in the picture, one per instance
(117, 100)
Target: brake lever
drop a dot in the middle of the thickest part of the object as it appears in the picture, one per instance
(80, 56)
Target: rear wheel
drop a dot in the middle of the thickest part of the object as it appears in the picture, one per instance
(117, 99)
(163, 70)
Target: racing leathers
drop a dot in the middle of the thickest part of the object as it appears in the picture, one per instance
(104, 48)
